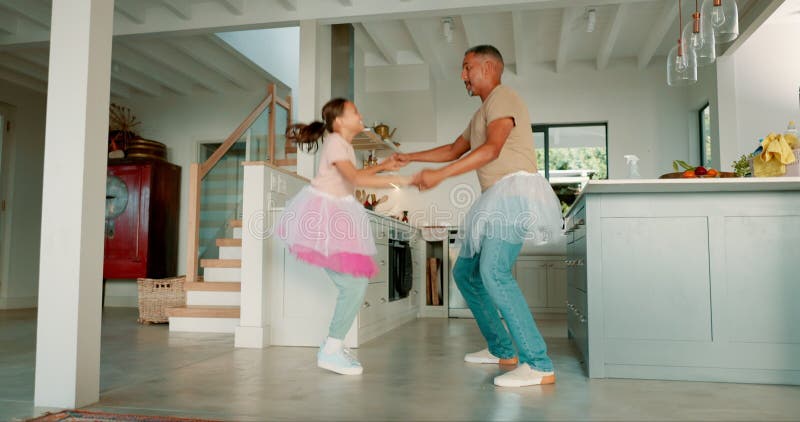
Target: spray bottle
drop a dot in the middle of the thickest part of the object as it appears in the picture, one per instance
(633, 166)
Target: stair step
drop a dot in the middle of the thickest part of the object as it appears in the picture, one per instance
(229, 242)
(235, 223)
(230, 252)
(213, 286)
(221, 263)
(201, 298)
(223, 275)
(206, 311)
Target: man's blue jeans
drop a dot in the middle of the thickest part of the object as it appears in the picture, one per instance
(487, 284)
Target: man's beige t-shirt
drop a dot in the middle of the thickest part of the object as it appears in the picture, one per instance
(517, 153)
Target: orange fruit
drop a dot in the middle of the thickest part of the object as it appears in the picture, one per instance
(713, 173)
(689, 174)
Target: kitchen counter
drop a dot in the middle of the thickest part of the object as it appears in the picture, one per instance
(686, 279)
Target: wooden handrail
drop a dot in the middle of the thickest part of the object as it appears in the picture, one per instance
(197, 171)
(237, 133)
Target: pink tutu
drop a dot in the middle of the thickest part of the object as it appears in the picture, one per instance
(329, 232)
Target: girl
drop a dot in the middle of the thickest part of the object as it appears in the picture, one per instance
(325, 226)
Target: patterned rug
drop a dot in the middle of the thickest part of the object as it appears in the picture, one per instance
(86, 416)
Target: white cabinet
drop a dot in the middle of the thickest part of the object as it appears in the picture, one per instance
(543, 282)
(303, 297)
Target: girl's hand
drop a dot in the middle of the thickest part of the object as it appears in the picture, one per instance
(404, 180)
(392, 164)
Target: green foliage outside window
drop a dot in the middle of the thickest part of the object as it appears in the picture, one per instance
(590, 158)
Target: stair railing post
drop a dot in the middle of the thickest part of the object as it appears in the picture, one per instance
(193, 236)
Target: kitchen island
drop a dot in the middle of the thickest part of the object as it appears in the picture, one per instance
(686, 279)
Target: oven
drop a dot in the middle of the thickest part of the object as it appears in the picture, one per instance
(400, 269)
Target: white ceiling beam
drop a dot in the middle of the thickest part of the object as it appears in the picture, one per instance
(567, 16)
(163, 75)
(752, 15)
(290, 5)
(659, 30)
(178, 62)
(25, 67)
(521, 58)
(607, 47)
(472, 29)
(234, 6)
(425, 48)
(133, 10)
(371, 29)
(216, 59)
(34, 12)
(263, 14)
(135, 79)
(180, 8)
(8, 24)
(23, 80)
(119, 90)
(39, 57)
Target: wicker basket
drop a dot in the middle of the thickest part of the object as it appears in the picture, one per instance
(156, 295)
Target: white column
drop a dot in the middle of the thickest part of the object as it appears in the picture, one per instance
(254, 324)
(71, 255)
(314, 82)
(727, 121)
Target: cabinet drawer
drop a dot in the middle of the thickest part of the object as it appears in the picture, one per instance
(382, 261)
(578, 320)
(374, 307)
(380, 232)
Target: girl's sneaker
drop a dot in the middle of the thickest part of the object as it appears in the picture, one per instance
(341, 362)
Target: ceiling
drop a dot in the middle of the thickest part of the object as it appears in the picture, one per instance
(169, 47)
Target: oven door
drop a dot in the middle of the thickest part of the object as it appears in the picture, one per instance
(400, 270)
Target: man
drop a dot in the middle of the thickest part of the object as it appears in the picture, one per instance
(516, 204)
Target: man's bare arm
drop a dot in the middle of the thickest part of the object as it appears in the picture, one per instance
(442, 154)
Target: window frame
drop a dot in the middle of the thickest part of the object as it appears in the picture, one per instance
(700, 135)
(545, 129)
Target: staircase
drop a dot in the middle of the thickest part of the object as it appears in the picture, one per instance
(212, 303)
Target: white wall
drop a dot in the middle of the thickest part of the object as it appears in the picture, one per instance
(23, 160)
(645, 117)
(182, 123)
(767, 81)
(276, 50)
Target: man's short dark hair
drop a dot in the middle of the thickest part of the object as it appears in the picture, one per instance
(486, 50)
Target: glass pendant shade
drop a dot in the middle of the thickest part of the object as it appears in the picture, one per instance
(724, 18)
(702, 42)
(681, 66)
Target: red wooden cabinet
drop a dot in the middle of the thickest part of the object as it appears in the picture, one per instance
(142, 203)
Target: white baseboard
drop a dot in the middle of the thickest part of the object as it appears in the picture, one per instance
(18, 302)
(252, 337)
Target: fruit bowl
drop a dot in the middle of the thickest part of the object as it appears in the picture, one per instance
(679, 175)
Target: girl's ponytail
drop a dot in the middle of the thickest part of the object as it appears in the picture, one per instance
(306, 137)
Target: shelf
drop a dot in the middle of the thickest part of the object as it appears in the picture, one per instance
(369, 140)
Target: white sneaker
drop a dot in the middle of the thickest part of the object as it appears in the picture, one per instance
(484, 356)
(341, 362)
(523, 376)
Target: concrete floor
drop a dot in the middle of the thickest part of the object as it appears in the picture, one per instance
(415, 372)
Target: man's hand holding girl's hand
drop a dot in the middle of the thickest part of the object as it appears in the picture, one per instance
(392, 163)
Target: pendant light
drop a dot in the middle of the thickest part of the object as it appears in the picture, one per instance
(724, 18)
(699, 36)
(681, 62)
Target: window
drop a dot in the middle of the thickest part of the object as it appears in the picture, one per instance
(565, 150)
(704, 117)
(570, 154)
